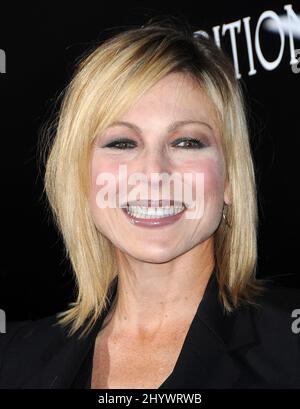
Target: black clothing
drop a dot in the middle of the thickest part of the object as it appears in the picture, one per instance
(249, 348)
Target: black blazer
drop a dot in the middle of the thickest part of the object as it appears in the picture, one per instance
(250, 348)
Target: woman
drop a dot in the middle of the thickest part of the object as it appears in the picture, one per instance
(167, 295)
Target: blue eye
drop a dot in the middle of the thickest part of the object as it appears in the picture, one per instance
(121, 144)
(194, 143)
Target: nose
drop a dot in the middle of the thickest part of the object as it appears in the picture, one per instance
(153, 168)
(154, 162)
(159, 177)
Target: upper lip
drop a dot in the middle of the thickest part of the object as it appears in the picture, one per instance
(155, 203)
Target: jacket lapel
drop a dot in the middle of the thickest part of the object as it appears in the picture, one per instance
(208, 357)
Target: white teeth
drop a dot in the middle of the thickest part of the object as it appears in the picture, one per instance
(153, 212)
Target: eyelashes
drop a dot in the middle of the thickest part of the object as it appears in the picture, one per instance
(183, 143)
(121, 142)
(193, 143)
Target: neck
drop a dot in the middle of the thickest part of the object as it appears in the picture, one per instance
(154, 296)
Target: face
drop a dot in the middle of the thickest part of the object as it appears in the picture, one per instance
(151, 138)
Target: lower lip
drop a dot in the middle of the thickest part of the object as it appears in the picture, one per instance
(156, 222)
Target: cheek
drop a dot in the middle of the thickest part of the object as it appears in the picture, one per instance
(101, 165)
(212, 169)
(213, 177)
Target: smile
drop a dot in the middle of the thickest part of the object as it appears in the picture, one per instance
(153, 216)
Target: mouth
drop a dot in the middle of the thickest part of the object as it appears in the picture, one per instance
(154, 213)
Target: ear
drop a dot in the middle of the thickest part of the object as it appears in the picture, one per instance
(227, 193)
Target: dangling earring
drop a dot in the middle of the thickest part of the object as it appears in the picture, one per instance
(224, 215)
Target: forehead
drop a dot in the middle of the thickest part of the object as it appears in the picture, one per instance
(177, 96)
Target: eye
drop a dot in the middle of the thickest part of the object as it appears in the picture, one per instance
(121, 143)
(186, 143)
(190, 143)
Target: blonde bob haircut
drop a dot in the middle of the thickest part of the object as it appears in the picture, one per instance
(106, 82)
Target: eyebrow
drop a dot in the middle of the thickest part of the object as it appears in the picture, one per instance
(172, 127)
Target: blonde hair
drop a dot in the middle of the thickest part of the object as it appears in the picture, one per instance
(106, 82)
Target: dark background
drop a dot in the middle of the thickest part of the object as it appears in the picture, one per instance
(42, 43)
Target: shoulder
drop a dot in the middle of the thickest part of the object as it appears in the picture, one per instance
(276, 321)
(27, 344)
(29, 331)
(278, 303)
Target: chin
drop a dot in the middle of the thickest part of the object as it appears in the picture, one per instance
(158, 256)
